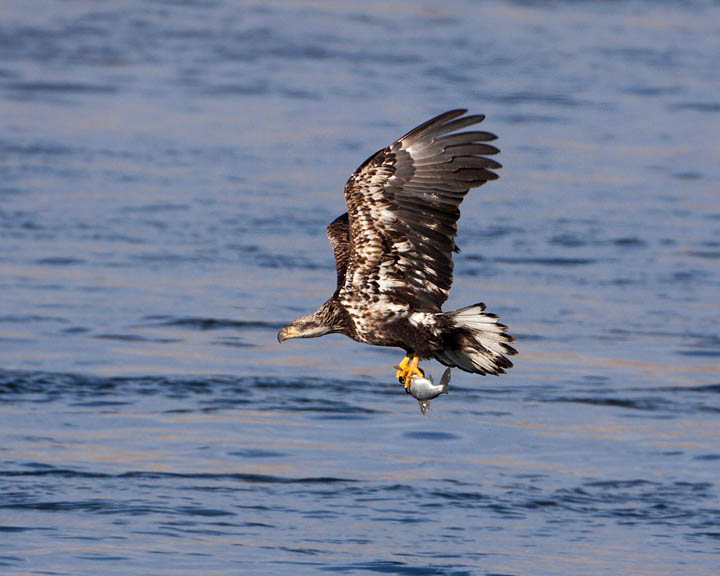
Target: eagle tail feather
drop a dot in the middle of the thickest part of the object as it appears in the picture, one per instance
(477, 342)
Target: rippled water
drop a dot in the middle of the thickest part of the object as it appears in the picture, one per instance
(168, 169)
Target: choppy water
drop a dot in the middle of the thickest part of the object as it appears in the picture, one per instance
(167, 171)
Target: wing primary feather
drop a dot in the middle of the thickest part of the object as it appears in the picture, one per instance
(439, 119)
(456, 125)
(472, 149)
(457, 163)
(466, 138)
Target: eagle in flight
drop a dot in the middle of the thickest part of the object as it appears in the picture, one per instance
(393, 251)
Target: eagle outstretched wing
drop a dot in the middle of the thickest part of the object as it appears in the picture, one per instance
(403, 211)
(338, 232)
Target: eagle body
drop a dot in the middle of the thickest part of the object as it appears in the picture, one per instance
(393, 250)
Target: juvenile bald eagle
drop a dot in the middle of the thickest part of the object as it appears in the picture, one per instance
(393, 251)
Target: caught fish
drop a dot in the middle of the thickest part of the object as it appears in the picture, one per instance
(425, 389)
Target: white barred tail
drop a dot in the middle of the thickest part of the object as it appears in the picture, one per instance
(478, 341)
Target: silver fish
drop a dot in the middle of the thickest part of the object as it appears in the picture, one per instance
(425, 389)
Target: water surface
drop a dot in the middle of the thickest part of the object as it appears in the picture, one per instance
(168, 169)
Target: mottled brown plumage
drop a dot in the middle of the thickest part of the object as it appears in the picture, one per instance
(393, 250)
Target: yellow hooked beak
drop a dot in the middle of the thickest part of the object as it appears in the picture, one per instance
(287, 333)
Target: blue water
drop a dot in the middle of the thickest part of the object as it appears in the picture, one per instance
(167, 170)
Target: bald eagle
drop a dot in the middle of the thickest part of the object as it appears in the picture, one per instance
(393, 252)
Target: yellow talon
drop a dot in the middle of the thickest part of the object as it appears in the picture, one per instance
(412, 370)
(407, 369)
(402, 367)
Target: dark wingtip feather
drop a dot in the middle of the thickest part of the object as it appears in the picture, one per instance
(467, 137)
(439, 119)
(509, 350)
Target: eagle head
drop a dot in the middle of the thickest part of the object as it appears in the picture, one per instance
(322, 322)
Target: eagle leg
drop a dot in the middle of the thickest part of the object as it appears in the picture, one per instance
(407, 369)
(402, 367)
